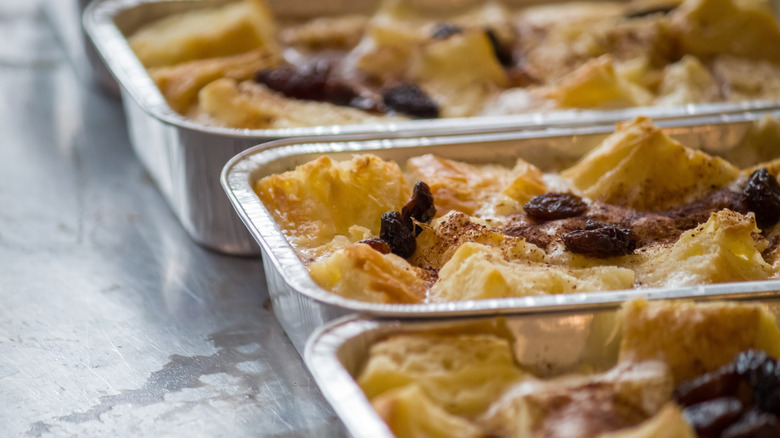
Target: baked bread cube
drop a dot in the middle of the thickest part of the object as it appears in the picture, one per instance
(206, 33)
(641, 167)
(410, 413)
(324, 198)
(478, 272)
(578, 406)
(706, 28)
(693, 339)
(463, 374)
(720, 250)
(361, 273)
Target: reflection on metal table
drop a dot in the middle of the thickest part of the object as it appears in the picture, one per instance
(112, 321)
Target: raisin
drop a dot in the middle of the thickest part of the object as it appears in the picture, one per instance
(762, 373)
(420, 207)
(339, 93)
(307, 82)
(749, 364)
(601, 240)
(502, 52)
(411, 100)
(754, 424)
(639, 13)
(762, 196)
(710, 418)
(719, 383)
(378, 245)
(551, 206)
(397, 234)
(446, 30)
(311, 81)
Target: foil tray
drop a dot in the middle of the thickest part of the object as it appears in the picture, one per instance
(301, 306)
(185, 157)
(551, 343)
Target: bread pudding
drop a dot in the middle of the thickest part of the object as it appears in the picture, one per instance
(640, 210)
(681, 370)
(239, 66)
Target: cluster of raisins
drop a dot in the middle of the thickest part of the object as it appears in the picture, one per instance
(739, 400)
(398, 231)
(598, 239)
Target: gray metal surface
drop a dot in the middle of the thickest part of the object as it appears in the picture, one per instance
(112, 321)
(302, 306)
(65, 18)
(552, 344)
(185, 157)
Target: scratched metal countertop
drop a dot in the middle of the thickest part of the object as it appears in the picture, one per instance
(112, 321)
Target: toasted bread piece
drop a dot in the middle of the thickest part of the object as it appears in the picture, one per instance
(694, 339)
(324, 198)
(410, 413)
(596, 84)
(642, 168)
(687, 81)
(437, 243)
(464, 62)
(341, 32)
(456, 185)
(361, 273)
(206, 33)
(706, 28)
(581, 406)
(250, 105)
(746, 79)
(180, 84)
(463, 374)
(477, 272)
(720, 250)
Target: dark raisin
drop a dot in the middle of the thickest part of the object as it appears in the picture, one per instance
(710, 418)
(339, 93)
(397, 234)
(420, 207)
(307, 82)
(601, 240)
(749, 364)
(719, 383)
(762, 373)
(310, 81)
(551, 206)
(378, 245)
(502, 52)
(411, 100)
(446, 30)
(754, 424)
(639, 13)
(762, 195)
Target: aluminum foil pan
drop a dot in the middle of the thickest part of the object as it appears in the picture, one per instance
(185, 157)
(301, 305)
(553, 343)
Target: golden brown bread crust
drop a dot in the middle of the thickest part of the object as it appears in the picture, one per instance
(418, 381)
(575, 55)
(685, 212)
(180, 84)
